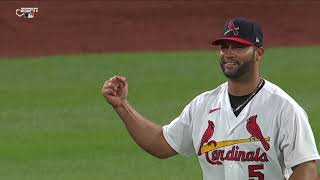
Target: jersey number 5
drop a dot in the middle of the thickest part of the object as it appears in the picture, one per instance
(254, 172)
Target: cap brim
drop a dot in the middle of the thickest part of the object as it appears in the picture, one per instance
(220, 41)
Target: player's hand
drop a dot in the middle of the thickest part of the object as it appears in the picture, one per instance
(115, 90)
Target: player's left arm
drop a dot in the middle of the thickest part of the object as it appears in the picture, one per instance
(306, 170)
(298, 144)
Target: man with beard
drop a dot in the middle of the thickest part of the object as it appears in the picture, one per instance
(247, 128)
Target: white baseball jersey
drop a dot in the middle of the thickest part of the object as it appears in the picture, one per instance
(269, 137)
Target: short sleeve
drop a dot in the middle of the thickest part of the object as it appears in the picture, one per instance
(298, 144)
(178, 133)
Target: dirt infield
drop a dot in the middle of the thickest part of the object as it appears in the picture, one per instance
(118, 26)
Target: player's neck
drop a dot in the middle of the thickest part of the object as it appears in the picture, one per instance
(241, 87)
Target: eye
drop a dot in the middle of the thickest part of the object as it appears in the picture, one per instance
(223, 47)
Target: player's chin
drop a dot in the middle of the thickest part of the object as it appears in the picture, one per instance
(230, 69)
(232, 74)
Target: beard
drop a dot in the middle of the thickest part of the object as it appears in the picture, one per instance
(240, 70)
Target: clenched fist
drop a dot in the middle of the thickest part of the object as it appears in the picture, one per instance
(115, 90)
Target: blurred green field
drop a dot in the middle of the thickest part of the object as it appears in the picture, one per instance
(56, 125)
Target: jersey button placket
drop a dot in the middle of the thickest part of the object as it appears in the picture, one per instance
(228, 166)
(235, 171)
(228, 170)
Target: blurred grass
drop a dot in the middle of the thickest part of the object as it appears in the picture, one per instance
(56, 125)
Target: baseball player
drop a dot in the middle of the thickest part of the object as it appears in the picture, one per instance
(245, 129)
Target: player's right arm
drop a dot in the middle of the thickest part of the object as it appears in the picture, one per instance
(145, 133)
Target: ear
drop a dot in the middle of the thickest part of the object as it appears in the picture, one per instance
(259, 53)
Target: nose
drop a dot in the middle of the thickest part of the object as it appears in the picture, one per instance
(228, 52)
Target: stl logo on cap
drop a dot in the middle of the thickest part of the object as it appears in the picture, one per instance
(232, 28)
